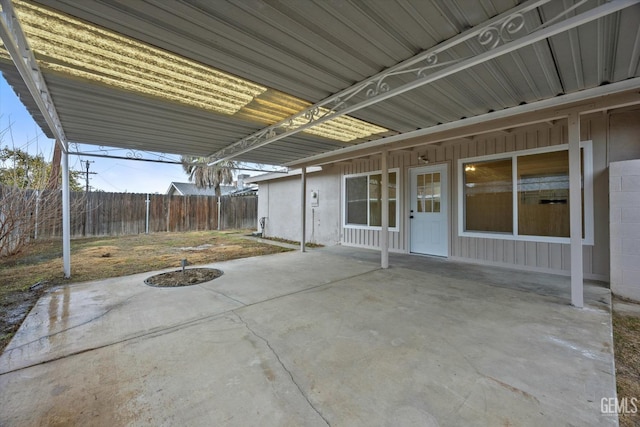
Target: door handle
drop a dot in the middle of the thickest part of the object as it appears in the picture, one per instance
(410, 216)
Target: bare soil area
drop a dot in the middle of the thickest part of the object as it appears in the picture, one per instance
(26, 276)
(188, 277)
(626, 342)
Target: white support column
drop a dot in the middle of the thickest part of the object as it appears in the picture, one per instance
(66, 221)
(303, 207)
(575, 211)
(15, 41)
(384, 229)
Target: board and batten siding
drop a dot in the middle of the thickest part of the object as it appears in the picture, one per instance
(541, 256)
(371, 238)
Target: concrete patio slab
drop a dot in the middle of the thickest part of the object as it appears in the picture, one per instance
(320, 338)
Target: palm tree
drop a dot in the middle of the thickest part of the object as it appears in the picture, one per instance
(205, 176)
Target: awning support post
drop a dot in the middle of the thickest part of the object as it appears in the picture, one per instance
(575, 211)
(66, 221)
(303, 207)
(384, 229)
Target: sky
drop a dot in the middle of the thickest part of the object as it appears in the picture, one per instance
(111, 175)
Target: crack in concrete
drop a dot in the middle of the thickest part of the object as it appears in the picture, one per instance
(147, 334)
(224, 295)
(293, 380)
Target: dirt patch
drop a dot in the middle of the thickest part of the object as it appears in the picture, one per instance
(188, 277)
(101, 251)
(14, 307)
(293, 242)
(197, 248)
(626, 339)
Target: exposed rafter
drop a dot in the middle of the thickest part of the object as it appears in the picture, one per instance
(501, 35)
(16, 44)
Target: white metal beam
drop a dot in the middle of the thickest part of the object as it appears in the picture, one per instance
(378, 90)
(16, 44)
(303, 207)
(66, 214)
(384, 229)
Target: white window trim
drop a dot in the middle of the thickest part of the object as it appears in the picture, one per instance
(370, 227)
(587, 147)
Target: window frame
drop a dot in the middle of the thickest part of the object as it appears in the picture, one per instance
(370, 227)
(587, 173)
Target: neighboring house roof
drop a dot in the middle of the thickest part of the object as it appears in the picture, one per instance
(245, 191)
(189, 189)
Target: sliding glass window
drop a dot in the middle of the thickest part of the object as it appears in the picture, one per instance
(363, 200)
(523, 195)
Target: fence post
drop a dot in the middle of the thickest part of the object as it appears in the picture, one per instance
(148, 202)
(219, 211)
(35, 229)
(168, 213)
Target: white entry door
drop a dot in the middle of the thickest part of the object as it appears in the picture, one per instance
(428, 210)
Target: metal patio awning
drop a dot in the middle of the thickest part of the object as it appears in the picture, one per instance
(287, 55)
(291, 81)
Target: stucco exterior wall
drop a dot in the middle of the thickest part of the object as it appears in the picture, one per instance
(279, 203)
(625, 228)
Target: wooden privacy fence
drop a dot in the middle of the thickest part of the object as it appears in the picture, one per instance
(111, 214)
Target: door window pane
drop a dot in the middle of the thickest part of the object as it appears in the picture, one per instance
(488, 196)
(428, 192)
(435, 195)
(419, 192)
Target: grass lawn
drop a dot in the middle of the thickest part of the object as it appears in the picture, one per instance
(103, 257)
